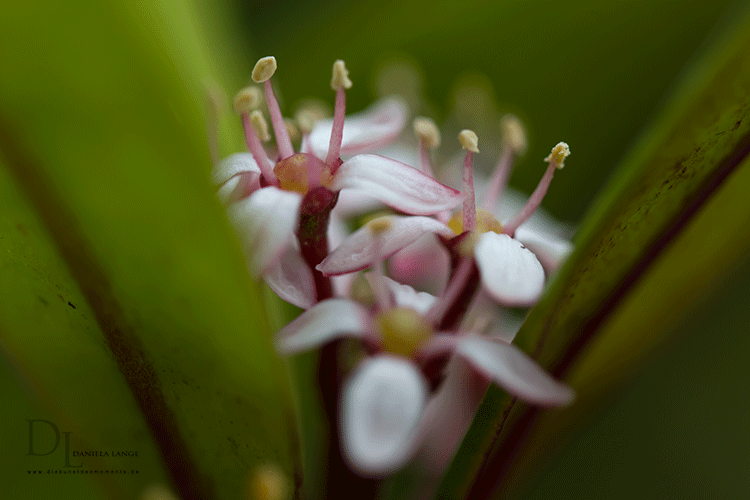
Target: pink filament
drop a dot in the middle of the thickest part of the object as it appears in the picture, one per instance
(425, 160)
(451, 292)
(277, 121)
(337, 132)
(499, 180)
(379, 289)
(259, 154)
(470, 209)
(533, 202)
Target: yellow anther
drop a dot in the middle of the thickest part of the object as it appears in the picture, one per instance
(485, 222)
(427, 132)
(469, 140)
(558, 154)
(260, 125)
(156, 491)
(402, 330)
(380, 225)
(264, 69)
(306, 120)
(340, 76)
(513, 133)
(291, 129)
(247, 100)
(268, 482)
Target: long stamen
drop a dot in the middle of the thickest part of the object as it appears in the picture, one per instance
(214, 107)
(379, 289)
(262, 73)
(514, 145)
(253, 124)
(429, 139)
(339, 82)
(449, 296)
(555, 159)
(469, 142)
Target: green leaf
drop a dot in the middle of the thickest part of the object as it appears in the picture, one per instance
(67, 376)
(101, 126)
(674, 217)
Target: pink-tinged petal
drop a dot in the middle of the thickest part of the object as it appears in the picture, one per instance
(337, 229)
(358, 250)
(510, 272)
(265, 222)
(396, 184)
(551, 250)
(382, 404)
(439, 344)
(342, 285)
(238, 187)
(292, 280)
(232, 165)
(509, 367)
(322, 323)
(424, 264)
(447, 417)
(374, 128)
(406, 296)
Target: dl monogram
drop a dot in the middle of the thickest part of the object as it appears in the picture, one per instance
(37, 453)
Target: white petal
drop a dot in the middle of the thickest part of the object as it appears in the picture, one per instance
(551, 250)
(323, 322)
(406, 296)
(238, 187)
(265, 222)
(353, 203)
(382, 403)
(232, 165)
(292, 279)
(396, 184)
(510, 273)
(358, 250)
(373, 128)
(514, 371)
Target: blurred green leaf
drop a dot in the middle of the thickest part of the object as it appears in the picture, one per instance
(67, 376)
(101, 125)
(654, 209)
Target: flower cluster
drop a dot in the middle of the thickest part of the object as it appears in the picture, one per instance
(422, 369)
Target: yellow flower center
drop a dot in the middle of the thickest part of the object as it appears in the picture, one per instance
(402, 330)
(292, 172)
(485, 222)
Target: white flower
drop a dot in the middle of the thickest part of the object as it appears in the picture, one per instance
(384, 399)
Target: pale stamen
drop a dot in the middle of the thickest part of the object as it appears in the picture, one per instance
(451, 293)
(256, 149)
(469, 142)
(514, 145)
(339, 82)
(555, 159)
(429, 139)
(262, 73)
(214, 98)
(245, 103)
(378, 227)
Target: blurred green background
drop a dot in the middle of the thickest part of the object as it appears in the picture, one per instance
(591, 73)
